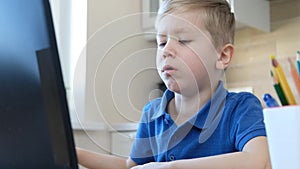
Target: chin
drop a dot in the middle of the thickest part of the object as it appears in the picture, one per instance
(173, 87)
(175, 91)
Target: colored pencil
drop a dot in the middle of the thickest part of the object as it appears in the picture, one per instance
(283, 82)
(278, 90)
(294, 73)
(298, 62)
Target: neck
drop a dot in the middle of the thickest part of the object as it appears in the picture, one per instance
(182, 107)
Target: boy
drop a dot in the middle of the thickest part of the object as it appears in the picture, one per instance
(197, 123)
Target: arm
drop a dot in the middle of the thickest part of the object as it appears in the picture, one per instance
(255, 155)
(94, 160)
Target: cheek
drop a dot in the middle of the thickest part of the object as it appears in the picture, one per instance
(203, 63)
(159, 55)
(158, 61)
(207, 56)
(198, 69)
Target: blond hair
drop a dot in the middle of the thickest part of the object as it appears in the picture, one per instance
(218, 18)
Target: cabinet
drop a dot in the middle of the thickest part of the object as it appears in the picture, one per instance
(253, 13)
(283, 131)
(122, 138)
(122, 142)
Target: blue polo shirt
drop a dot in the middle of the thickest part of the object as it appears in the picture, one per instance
(223, 125)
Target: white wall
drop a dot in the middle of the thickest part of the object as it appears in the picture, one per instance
(120, 63)
(120, 66)
(70, 21)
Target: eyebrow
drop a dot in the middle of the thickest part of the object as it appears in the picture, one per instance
(181, 30)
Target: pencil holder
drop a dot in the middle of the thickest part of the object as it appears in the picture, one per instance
(283, 132)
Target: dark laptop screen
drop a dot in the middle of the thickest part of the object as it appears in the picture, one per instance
(35, 129)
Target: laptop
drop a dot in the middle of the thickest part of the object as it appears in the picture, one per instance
(35, 128)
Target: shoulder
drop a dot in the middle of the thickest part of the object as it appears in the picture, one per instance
(242, 106)
(153, 104)
(241, 96)
(246, 118)
(151, 110)
(157, 107)
(243, 100)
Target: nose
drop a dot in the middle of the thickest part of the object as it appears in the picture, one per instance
(169, 49)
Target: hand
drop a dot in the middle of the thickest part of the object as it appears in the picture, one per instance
(153, 165)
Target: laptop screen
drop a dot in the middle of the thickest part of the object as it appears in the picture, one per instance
(35, 129)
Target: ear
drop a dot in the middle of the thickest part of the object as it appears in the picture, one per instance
(225, 57)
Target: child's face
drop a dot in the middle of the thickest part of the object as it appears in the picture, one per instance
(186, 58)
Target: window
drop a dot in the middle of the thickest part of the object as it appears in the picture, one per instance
(70, 22)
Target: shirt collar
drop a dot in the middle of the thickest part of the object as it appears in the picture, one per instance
(211, 113)
(201, 120)
(166, 98)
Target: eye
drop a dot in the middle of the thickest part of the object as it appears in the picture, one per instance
(184, 42)
(162, 44)
(161, 40)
